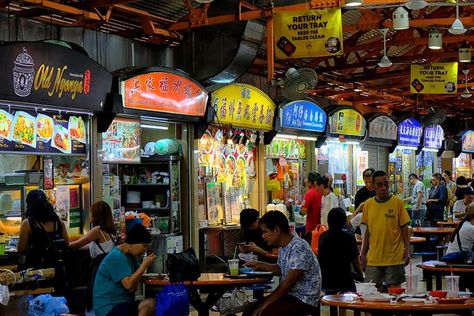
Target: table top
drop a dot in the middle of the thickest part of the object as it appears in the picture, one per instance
(413, 239)
(207, 279)
(447, 268)
(433, 230)
(352, 301)
(448, 223)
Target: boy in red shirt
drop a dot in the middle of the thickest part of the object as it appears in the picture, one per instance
(312, 205)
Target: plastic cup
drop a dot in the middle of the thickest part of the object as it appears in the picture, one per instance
(452, 285)
(412, 283)
(234, 267)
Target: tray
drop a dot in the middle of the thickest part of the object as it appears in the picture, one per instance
(453, 300)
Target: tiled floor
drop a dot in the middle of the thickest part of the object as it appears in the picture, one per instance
(413, 268)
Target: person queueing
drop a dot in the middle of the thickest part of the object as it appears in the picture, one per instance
(312, 205)
(463, 235)
(362, 195)
(119, 274)
(101, 238)
(417, 200)
(459, 208)
(252, 233)
(300, 285)
(385, 247)
(329, 200)
(437, 199)
(42, 235)
(462, 185)
(337, 265)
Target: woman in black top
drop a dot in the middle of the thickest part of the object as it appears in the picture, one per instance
(42, 236)
(437, 199)
(461, 187)
(338, 255)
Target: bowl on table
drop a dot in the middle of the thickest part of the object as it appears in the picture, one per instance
(439, 293)
(245, 270)
(396, 290)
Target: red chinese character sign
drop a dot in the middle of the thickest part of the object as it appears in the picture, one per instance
(164, 92)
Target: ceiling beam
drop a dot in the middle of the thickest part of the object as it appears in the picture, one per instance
(91, 4)
(64, 8)
(466, 20)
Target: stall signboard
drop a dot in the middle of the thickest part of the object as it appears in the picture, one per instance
(347, 122)
(433, 137)
(42, 133)
(303, 115)
(409, 133)
(121, 142)
(308, 33)
(51, 74)
(242, 105)
(436, 78)
(165, 92)
(383, 127)
(468, 142)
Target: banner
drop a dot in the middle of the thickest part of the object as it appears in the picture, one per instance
(437, 78)
(308, 33)
(164, 92)
(303, 115)
(242, 105)
(409, 133)
(383, 127)
(433, 137)
(468, 142)
(52, 74)
(347, 122)
(44, 133)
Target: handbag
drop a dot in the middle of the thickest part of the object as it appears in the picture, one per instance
(233, 302)
(458, 257)
(183, 266)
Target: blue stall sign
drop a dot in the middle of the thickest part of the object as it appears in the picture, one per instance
(303, 115)
(409, 133)
(433, 137)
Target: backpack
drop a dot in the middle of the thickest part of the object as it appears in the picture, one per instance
(183, 266)
(315, 234)
(93, 268)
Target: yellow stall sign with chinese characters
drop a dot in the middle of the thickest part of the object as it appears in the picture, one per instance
(437, 78)
(308, 33)
(242, 105)
(347, 122)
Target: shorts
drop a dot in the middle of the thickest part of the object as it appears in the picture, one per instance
(125, 309)
(391, 275)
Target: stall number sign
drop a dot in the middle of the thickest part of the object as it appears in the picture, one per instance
(433, 137)
(383, 127)
(308, 33)
(347, 122)
(409, 133)
(303, 115)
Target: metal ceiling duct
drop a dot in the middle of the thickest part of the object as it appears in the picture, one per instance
(248, 48)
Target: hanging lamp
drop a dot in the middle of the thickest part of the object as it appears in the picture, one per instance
(400, 19)
(435, 40)
(457, 28)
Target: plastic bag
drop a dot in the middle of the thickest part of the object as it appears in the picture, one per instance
(4, 295)
(173, 300)
(47, 305)
(316, 233)
(233, 302)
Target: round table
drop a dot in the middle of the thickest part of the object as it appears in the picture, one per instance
(447, 224)
(432, 230)
(353, 302)
(438, 271)
(215, 284)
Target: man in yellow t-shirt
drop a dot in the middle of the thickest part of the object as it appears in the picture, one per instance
(385, 250)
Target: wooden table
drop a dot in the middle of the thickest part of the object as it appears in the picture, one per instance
(215, 284)
(413, 239)
(432, 230)
(352, 301)
(438, 271)
(448, 224)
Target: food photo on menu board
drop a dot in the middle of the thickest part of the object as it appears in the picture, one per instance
(33, 132)
(121, 142)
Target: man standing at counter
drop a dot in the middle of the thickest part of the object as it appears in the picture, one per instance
(312, 205)
(385, 248)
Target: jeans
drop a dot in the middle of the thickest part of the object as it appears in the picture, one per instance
(418, 216)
